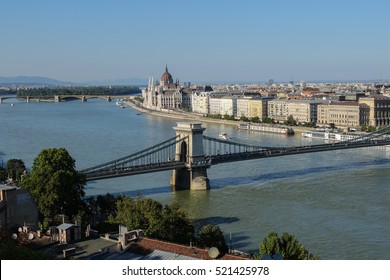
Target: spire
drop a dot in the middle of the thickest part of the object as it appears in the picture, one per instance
(166, 68)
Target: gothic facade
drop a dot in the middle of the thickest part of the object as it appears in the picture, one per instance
(165, 94)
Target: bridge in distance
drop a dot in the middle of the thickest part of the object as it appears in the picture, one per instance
(190, 153)
(59, 98)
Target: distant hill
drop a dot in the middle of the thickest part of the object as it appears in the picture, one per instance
(36, 80)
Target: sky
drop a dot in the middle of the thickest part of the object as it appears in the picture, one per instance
(199, 40)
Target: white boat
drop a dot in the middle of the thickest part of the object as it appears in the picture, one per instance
(224, 136)
(266, 128)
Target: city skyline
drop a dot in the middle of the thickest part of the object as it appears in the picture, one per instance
(199, 41)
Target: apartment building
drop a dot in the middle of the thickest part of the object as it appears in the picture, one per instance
(200, 102)
(242, 106)
(223, 105)
(379, 109)
(229, 105)
(277, 109)
(257, 107)
(303, 111)
(343, 114)
(215, 105)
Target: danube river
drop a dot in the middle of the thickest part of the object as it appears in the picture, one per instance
(336, 203)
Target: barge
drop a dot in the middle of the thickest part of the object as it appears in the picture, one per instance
(333, 135)
(266, 128)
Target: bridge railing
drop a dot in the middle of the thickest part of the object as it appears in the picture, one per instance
(380, 134)
(213, 146)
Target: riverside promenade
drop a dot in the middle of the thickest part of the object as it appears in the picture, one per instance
(190, 116)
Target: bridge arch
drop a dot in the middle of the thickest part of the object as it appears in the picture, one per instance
(183, 152)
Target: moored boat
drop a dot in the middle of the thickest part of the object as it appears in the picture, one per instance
(266, 128)
(332, 135)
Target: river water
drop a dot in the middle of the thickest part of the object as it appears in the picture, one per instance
(336, 203)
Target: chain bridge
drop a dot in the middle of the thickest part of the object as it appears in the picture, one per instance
(190, 153)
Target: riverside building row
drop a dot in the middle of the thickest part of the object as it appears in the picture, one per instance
(305, 106)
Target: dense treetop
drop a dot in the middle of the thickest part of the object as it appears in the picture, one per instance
(54, 183)
(99, 90)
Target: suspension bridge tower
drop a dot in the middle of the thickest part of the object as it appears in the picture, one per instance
(190, 150)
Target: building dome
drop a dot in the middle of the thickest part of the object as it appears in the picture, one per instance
(166, 77)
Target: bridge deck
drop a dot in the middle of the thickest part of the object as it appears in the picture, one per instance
(161, 157)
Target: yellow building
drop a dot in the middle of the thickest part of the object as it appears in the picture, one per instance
(257, 107)
(379, 109)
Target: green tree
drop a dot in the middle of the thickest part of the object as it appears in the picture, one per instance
(15, 169)
(9, 250)
(244, 119)
(55, 184)
(168, 222)
(290, 121)
(176, 227)
(287, 246)
(106, 204)
(255, 119)
(212, 236)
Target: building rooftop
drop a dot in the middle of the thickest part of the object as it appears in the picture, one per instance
(144, 249)
(65, 226)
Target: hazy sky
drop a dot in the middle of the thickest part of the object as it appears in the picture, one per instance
(200, 40)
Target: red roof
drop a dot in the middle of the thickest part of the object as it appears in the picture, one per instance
(146, 246)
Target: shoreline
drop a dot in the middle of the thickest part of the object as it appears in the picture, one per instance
(195, 117)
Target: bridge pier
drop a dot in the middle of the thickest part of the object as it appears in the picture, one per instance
(190, 150)
(108, 98)
(83, 99)
(57, 98)
(28, 99)
(1, 100)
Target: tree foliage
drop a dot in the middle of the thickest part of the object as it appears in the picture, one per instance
(286, 245)
(290, 121)
(9, 250)
(15, 169)
(212, 236)
(167, 222)
(368, 128)
(99, 90)
(55, 184)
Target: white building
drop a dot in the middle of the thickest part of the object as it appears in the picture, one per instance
(200, 102)
(215, 105)
(242, 106)
(229, 105)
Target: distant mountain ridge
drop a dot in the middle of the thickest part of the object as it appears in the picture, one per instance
(37, 80)
(34, 80)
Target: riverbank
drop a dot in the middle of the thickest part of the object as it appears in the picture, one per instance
(187, 116)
